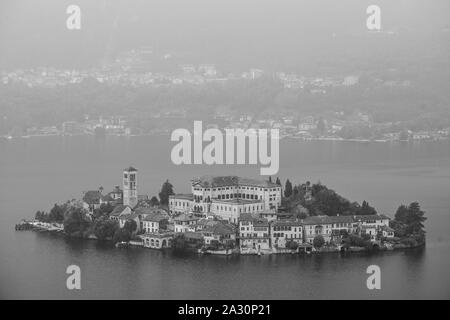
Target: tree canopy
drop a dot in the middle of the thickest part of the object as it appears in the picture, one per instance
(166, 191)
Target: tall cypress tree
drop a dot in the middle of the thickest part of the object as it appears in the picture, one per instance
(166, 191)
(288, 189)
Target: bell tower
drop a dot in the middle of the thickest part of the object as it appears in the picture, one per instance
(130, 187)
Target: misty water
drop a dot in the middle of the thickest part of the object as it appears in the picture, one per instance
(37, 172)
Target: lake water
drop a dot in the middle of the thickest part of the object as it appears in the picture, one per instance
(37, 172)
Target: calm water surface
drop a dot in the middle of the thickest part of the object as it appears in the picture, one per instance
(37, 172)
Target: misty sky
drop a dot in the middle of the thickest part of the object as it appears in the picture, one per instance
(278, 33)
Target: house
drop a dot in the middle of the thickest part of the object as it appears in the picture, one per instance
(341, 225)
(253, 234)
(144, 212)
(220, 233)
(285, 231)
(370, 225)
(155, 223)
(118, 211)
(193, 240)
(185, 223)
(369, 230)
(180, 203)
(317, 226)
(373, 220)
(204, 223)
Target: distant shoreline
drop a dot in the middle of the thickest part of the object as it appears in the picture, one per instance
(8, 138)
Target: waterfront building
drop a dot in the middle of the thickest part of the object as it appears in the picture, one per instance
(221, 233)
(341, 225)
(374, 220)
(317, 226)
(157, 240)
(144, 212)
(284, 231)
(130, 197)
(253, 234)
(155, 223)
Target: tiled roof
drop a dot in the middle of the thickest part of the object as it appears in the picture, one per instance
(185, 217)
(150, 211)
(286, 223)
(221, 228)
(246, 217)
(118, 210)
(260, 222)
(156, 217)
(207, 222)
(131, 216)
(223, 181)
(130, 169)
(371, 217)
(327, 219)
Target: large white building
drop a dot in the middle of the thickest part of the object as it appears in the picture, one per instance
(227, 197)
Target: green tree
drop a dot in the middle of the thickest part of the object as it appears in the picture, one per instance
(121, 235)
(166, 191)
(76, 221)
(278, 182)
(318, 241)
(105, 228)
(409, 222)
(57, 213)
(130, 226)
(366, 209)
(288, 189)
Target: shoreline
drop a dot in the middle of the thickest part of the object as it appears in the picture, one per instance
(291, 137)
(41, 227)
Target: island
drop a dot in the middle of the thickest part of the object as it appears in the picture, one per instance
(228, 215)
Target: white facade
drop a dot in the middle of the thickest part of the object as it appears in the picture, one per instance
(206, 189)
(281, 232)
(254, 235)
(179, 204)
(230, 210)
